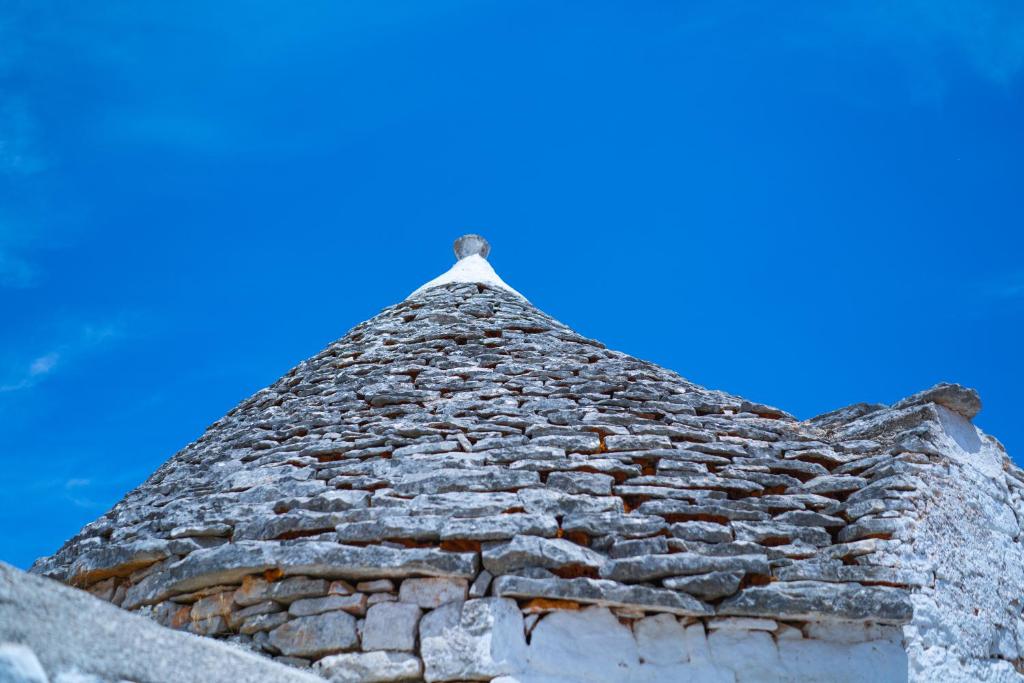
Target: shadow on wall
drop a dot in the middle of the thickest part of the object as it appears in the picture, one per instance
(960, 430)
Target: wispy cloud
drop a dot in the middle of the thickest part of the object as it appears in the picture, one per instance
(19, 152)
(43, 364)
(77, 492)
(988, 35)
(20, 220)
(26, 191)
(15, 271)
(88, 338)
(28, 377)
(927, 42)
(31, 227)
(1007, 287)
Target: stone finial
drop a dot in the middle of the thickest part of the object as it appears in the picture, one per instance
(467, 245)
(470, 269)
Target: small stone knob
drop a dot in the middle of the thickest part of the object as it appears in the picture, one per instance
(467, 245)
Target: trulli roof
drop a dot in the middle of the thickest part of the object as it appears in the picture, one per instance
(464, 430)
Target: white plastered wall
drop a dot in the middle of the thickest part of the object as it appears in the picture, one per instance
(593, 646)
(967, 626)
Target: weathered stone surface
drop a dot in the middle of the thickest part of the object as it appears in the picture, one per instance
(331, 500)
(212, 626)
(636, 443)
(297, 662)
(393, 525)
(370, 667)
(95, 564)
(813, 600)
(216, 605)
(471, 504)
(473, 640)
(845, 415)
(294, 523)
(263, 622)
(732, 485)
(601, 592)
(481, 479)
(531, 551)
(256, 590)
(675, 510)
(353, 604)
(635, 569)
(957, 398)
(341, 587)
(707, 532)
(656, 545)
(709, 586)
(426, 448)
(497, 527)
(235, 561)
(214, 529)
(552, 502)
(19, 664)
(831, 485)
(742, 624)
(660, 640)
(576, 443)
(582, 482)
(624, 525)
(776, 533)
(881, 527)
(433, 592)
(843, 573)
(69, 630)
(808, 518)
(239, 614)
(376, 586)
(481, 584)
(375, 598)
(590, 643)
(391, 626)
(316, 636)
(884, 424)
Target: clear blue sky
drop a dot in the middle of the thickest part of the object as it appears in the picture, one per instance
(808, 206)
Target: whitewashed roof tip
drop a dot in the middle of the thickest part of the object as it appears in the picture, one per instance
(472, 267)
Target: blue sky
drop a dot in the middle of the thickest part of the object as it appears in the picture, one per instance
(808, 206)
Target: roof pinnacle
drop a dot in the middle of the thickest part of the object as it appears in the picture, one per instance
(471, 266)
(471, 244)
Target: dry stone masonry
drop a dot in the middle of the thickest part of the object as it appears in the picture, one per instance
(464, 489)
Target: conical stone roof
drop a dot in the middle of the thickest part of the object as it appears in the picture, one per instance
(463, 433)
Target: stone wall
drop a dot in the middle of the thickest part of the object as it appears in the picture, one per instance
(445, 629)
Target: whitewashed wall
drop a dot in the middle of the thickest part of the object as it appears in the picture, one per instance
(967, 626)
(593, 646)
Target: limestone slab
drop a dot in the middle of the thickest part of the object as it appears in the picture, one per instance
(370, 667)
(432, 592)
(473, 640)
(316, 636)
(391, 626)
(602, 592)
